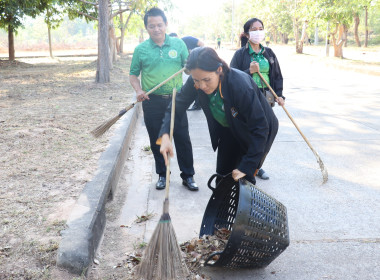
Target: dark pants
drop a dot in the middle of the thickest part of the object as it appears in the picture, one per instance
(154, 111)
(229, 155)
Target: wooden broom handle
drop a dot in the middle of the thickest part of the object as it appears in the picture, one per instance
(286, 111)
(172, 117)
(167, 80)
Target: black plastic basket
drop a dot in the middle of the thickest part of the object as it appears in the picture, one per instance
(258, 224)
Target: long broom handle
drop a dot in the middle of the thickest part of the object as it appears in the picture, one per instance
(286, 111)
(172, 117)
(159, 85)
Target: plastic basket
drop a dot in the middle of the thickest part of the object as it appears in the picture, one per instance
(258, 224)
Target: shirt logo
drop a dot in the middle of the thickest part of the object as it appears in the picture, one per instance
(173, 54)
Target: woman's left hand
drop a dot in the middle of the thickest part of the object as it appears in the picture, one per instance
(237, 174)
(280, 101)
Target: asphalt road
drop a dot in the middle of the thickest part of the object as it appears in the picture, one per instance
(334, 227)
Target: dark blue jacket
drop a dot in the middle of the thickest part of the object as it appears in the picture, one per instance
(242, 59)
(250, 117)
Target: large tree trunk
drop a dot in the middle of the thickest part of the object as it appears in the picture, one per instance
(11, 43)
(50, 48)
(345, 35)
(338, 42)
(112, 44)
(356, 30)
(103, 71)
(299, 44)
(366, 27)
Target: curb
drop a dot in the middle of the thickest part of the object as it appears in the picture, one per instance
(86, 223)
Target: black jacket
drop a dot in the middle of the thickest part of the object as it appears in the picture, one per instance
(241, 60)
(250, 118)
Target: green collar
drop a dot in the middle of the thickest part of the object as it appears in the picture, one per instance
(166, 42)
(252, 52)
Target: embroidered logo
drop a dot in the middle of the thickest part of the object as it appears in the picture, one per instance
(234, 112)
(173, 54)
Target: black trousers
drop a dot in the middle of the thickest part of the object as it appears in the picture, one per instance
(229, 155)
(154, 111)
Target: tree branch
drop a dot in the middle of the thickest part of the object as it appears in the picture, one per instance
(86, 15)
(118, 12)
(90, 3)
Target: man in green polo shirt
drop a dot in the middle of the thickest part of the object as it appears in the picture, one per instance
(156, 59)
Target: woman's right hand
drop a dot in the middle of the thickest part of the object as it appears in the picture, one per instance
(254, 67)
(166, 147)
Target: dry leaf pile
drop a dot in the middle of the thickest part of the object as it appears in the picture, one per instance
(198, 250)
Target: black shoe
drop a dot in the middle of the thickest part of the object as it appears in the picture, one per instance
(194, 108)
(190, 184)
(161, 183)
(262, 175)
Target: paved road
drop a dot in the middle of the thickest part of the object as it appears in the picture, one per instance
(335, 227)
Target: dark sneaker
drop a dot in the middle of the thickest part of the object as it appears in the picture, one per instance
(161, 183)
(190, 184)
(262, 175)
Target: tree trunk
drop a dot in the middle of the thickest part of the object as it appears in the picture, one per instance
(356, 30)
(112, 44)
(366, 27)
(11, 43)
(338, 42)
(296, 33)
(103, 71)
(50, 48)
(316, 39)
(299, 45)
(122, 32)
(345, 35)
(328, 39)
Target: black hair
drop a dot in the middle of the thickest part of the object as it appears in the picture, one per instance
(246, 27)
(173, 34)
(154, 12)
(206, 58)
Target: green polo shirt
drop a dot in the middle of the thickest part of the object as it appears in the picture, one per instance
(263, 64)
(216, 106)
(156, 64)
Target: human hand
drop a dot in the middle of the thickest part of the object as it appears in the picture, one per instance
(141, 96)
(280, 101)
(254, 67)
(237, 174)
(166, 148)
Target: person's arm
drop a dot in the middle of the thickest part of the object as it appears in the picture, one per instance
(248, 105)
(135, 83)
(237, 61)
(184, 98)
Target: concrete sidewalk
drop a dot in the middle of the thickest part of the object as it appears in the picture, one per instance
(335, 227)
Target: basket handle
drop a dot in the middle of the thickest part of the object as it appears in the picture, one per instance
(211, 256)
(211, 179)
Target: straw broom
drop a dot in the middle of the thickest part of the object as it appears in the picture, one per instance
(162, 258)
(319, 160)
(105, 126)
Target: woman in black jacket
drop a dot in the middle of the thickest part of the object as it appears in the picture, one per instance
(253, 57)
(241, 123)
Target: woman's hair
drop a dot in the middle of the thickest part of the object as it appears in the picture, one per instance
(154, 12)
(246, 27)
(205, 58)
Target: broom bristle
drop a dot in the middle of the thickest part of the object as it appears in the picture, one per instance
(104, 127)
(162, 257)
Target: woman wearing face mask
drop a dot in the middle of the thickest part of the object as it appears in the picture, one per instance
(253, 57)
(241, 123)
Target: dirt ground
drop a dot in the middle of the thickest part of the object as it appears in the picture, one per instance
(47, 109)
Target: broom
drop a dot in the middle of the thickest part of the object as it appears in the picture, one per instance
(319, 160)
(162, 258)
(104, 127)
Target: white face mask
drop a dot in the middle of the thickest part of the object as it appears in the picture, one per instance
(257, 36)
